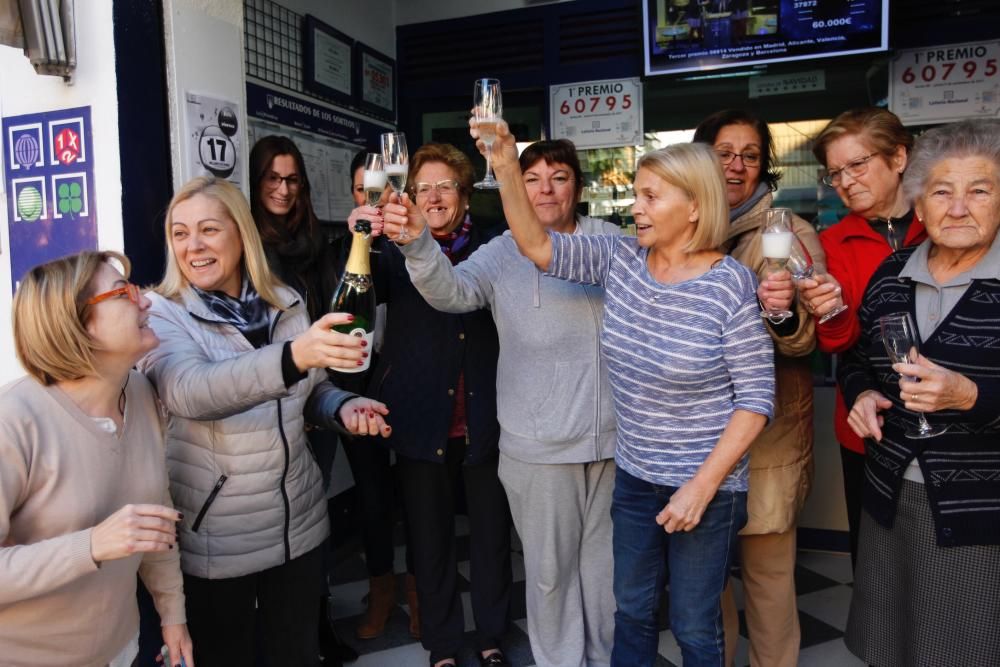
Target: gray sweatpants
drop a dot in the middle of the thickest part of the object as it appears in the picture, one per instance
(562, 512)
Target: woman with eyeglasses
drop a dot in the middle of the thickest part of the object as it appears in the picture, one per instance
(84, 503)
(865, 152)
(240, 371)
(781, 457)
(281, 204)
(557, 445)
(439, 371)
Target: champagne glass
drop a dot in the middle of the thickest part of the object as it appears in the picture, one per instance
(488, 105)
(776, 246)
(396, 162)
(800, 265)
(374, 183)
(900, 337)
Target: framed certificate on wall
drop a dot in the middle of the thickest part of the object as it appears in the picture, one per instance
(375, 82)
(327, 61)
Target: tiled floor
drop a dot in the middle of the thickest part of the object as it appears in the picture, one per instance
(823, 582)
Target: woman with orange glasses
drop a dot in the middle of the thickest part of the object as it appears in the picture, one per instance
(83, 483)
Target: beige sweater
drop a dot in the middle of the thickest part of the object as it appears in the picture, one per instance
(61, 475)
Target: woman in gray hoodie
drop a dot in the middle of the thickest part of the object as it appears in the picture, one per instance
(554, 406)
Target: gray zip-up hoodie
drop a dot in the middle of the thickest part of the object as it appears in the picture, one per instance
(553, 400)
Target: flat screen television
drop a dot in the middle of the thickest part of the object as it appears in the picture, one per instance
(692, 35)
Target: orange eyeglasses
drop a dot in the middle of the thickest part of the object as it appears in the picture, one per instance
(130, 291)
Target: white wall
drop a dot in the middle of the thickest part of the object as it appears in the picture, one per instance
(21, 92)
(205, 55)
(421, 11)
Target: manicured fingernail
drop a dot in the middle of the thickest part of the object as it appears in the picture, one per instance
(350, 318)
(364, 354)
(170, 546)
(388, 429)
(364, 343)
(361, 362)
(180, 516)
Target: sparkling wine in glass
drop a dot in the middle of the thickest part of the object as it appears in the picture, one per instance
(800, 265)
(488, 105)
(776, 238)
(900, 337)
(396, 162)
(374, 178)
(374, 183)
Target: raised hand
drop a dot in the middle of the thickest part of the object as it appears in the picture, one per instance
(820, 294)
(400, 214)
(321, 347)
(504, 147)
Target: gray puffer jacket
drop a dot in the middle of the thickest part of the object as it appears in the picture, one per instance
(239, 464)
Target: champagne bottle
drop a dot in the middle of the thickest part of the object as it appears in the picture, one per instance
(355, 294)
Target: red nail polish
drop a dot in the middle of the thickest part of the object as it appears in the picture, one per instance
(360, 362)
(364, 343)
(350, 318)
(364, 354)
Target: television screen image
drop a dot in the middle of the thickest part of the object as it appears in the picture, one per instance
(690, 35)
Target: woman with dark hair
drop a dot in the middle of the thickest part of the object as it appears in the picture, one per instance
(440, 371)
(865, 152)
(781, 458)
(282, 208)
(556, 446)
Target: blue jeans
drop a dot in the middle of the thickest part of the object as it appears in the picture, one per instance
(698, 565)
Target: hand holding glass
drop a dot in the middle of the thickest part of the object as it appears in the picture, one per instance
(776, 246)
(488, 106)
(396, 162)
(900, 337)
(800, 265)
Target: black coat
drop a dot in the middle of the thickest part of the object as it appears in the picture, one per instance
(423, 353)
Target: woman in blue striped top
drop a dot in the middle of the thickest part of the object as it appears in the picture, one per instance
(691, 370)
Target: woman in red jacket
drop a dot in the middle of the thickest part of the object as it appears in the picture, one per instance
(865, 152)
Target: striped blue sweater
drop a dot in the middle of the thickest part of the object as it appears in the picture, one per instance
(681, 358)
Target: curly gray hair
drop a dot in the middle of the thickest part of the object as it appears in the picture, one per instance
(967, 138)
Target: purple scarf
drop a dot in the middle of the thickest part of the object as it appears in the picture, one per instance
(453, 242)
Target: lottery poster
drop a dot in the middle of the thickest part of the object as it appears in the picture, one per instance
(213, 137)
(49, 178)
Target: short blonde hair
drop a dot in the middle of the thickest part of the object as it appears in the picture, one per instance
(50, 314)
(236, 206)
(694, 168)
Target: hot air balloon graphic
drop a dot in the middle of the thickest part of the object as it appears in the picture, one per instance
(26, 151)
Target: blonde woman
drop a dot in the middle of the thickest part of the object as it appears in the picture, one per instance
(83, 486)
(240, 371)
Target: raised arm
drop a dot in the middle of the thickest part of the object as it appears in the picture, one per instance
(532, 239)
(454, 289)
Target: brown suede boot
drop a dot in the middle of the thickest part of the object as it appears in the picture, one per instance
(414, 605)
(381, 600)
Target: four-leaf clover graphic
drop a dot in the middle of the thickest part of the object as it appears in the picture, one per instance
(70, 200)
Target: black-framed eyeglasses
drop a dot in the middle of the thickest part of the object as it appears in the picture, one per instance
(748, 159)
(448, 186)
(273, 181)
(854, 168)
(130, 291)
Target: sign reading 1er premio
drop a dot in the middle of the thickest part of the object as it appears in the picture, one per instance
(597, 114)
(946, 83)
(49, 173)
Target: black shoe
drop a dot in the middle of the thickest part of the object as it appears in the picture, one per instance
(494, 660)
(334, 651)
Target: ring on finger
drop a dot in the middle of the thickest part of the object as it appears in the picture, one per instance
(914, 397)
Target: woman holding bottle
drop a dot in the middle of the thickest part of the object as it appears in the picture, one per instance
(240, 371)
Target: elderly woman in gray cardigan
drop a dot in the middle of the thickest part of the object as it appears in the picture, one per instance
(557, 421)
(240, 371)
